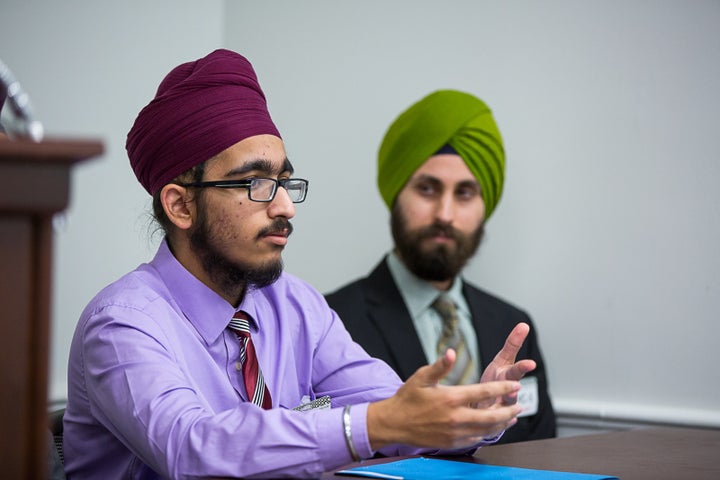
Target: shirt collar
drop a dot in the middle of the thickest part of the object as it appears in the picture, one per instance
(207, 311)
(420, 294)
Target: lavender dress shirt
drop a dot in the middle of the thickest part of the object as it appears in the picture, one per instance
(154, 391)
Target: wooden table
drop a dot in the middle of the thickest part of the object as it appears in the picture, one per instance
(641, 454)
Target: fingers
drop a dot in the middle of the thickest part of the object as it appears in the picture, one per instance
(519, 369)
(469, 426)
(425, 414)
(487, 422)
(513, 343)
(432, 374)
(493, 416)
(485, 394)
(503, 366)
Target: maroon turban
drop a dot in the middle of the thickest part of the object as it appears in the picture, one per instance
(200, 109)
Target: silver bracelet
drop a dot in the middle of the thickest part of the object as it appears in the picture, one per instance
(348, 435)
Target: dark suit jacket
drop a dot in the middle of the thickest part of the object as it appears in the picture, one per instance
(375, 314)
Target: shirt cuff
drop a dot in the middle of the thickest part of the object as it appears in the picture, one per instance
(331, 436)
(358, 430)
(491, 440)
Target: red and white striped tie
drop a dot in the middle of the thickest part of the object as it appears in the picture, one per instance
(252, 375)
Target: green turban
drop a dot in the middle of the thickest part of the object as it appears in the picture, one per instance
(445, 117)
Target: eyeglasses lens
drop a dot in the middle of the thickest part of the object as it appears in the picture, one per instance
(296, 190)
(262, 189)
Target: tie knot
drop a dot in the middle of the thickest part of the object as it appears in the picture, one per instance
(240, 324)
(444, 306)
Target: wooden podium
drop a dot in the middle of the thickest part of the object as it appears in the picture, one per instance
(35, 180)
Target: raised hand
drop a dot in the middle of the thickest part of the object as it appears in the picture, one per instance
(504, 366)
(424, 413)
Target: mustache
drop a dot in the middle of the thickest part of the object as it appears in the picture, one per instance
(439, 229)
(279, 225)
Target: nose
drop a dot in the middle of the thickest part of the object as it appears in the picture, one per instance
(445, 210)
(281, 205)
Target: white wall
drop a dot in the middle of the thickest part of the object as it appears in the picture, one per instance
(609, 226)
(608, 229)
(89, 67)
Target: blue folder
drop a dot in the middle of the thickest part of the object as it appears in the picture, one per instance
(434, 468)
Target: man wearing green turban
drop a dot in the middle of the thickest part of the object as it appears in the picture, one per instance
(441, 168)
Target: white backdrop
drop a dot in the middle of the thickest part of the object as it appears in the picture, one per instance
(608, 230)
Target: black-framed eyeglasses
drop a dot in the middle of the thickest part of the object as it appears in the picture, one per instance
(261, 189)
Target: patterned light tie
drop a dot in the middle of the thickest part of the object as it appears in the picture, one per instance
(253, 377)
(465, 370)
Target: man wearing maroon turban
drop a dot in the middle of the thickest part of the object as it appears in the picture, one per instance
(210, 361)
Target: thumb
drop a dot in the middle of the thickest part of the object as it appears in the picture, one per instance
(432, 374)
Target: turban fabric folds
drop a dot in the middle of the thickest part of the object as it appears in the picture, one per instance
(200, 109)
(444, 117)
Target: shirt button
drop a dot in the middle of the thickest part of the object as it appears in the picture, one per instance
(238, 366)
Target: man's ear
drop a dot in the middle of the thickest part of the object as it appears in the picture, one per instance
(178, 204)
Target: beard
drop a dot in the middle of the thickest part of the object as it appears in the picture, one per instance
(435, 263)
(233, 276)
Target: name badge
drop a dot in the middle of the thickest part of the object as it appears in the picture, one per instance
(528, 397)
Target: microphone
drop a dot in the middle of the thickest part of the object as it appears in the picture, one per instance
(26, 126)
